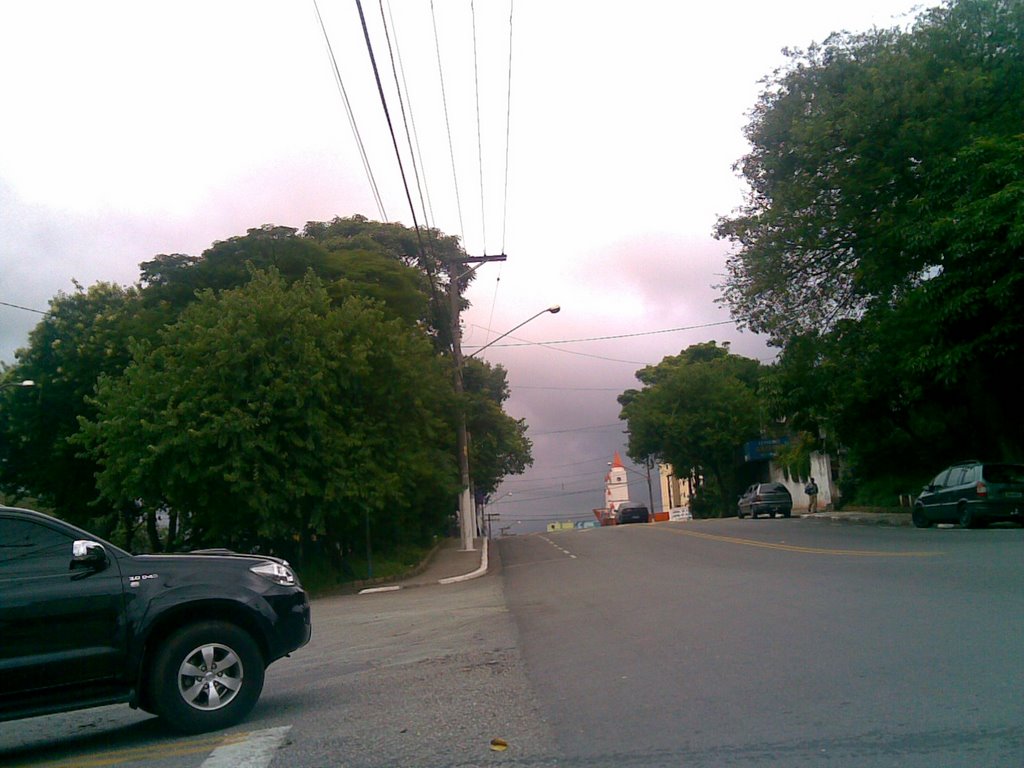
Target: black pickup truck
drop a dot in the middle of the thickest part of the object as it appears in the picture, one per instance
(187, 637)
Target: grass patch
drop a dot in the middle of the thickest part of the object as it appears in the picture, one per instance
(320, 576)
(884, 493)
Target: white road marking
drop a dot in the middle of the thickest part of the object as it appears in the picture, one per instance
(560, 548)
(255, 751)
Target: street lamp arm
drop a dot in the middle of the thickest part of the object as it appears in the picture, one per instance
(554, 310)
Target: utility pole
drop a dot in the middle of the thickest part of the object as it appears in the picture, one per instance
(467, 524)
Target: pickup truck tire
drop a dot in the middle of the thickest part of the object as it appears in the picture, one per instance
(206, 676)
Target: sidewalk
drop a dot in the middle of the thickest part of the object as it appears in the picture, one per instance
(449, 563)
(862, 517)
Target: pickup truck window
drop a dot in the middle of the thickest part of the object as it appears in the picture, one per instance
(27, 548)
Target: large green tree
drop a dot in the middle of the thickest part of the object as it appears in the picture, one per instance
(499, 446)
(695, 412)
(266, 412)
(884, 230)
(96, 333)
(84, 335)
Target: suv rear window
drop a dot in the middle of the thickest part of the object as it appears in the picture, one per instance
(1004, 473)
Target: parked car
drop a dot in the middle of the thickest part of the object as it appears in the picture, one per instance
(765, 498)
(972, 493)
(633, 513)
(187, 637)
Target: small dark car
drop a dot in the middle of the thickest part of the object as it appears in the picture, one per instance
(972, 493)
(765, 498)
(187, 637)
(634, 513)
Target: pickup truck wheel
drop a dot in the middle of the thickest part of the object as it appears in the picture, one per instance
(206, 676)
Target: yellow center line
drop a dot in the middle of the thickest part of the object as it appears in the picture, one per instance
(132, 754)
(795, 548)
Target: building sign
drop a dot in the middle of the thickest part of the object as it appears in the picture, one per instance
(763, 450)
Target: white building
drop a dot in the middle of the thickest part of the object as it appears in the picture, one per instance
(616, 485)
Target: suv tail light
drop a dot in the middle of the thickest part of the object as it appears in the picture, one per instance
(981, 489)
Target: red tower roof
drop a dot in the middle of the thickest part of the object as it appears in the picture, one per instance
(617, 461)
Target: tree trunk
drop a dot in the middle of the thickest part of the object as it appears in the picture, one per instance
(152, 532)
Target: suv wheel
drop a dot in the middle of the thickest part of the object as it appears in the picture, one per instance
(965, 516)
(919, 518)
(206, 676)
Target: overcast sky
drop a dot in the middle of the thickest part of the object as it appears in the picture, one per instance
(143, 127)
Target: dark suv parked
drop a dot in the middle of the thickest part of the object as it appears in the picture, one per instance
(187, 637)
(765, 498)
(972, 493)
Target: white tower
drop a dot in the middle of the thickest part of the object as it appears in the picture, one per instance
(616, 484)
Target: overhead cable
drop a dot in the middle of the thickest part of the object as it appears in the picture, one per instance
(479, 132)
(26, 309)
(508, 123)
(616, 336)
(351, 117)
(398, 155)
(401, 102)
(448, 124)
(415, 133)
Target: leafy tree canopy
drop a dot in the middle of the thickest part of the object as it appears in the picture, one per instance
(499, 446)
(266, 411)
(887, 163)
(363, 259)
(695, 412)
(882, 238)
(84, 334)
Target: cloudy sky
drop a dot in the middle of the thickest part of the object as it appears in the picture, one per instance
(144, 127)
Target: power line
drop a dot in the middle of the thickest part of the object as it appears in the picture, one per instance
(575, 429)
(508, 123)
(391, 127)
(401, 105)
(553, 496)
(412, 117)
(351, 117)
(615, 336)
(26, 309)
(447, 120)
(479, 133)
(567, 389)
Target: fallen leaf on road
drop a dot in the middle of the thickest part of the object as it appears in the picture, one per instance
(499, 745)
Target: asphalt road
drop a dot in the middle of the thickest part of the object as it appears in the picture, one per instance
(705, 643)
(427, 676)
(774, 643)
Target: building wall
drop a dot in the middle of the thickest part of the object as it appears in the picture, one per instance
(821, 471)
(675, 491)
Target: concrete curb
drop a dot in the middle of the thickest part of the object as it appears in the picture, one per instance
(892, 519)
(484, 562)
(475, 574)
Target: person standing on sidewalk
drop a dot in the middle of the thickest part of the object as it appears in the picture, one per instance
(811, 489)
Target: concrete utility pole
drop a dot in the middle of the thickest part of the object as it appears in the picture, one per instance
(466, 522)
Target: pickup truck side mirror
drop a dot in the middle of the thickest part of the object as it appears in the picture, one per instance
(88, 554)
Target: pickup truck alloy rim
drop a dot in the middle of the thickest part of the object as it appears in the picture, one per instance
(210, 676)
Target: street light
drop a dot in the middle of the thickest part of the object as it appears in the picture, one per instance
(554, 310)
(466, 522)
(25, 383)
